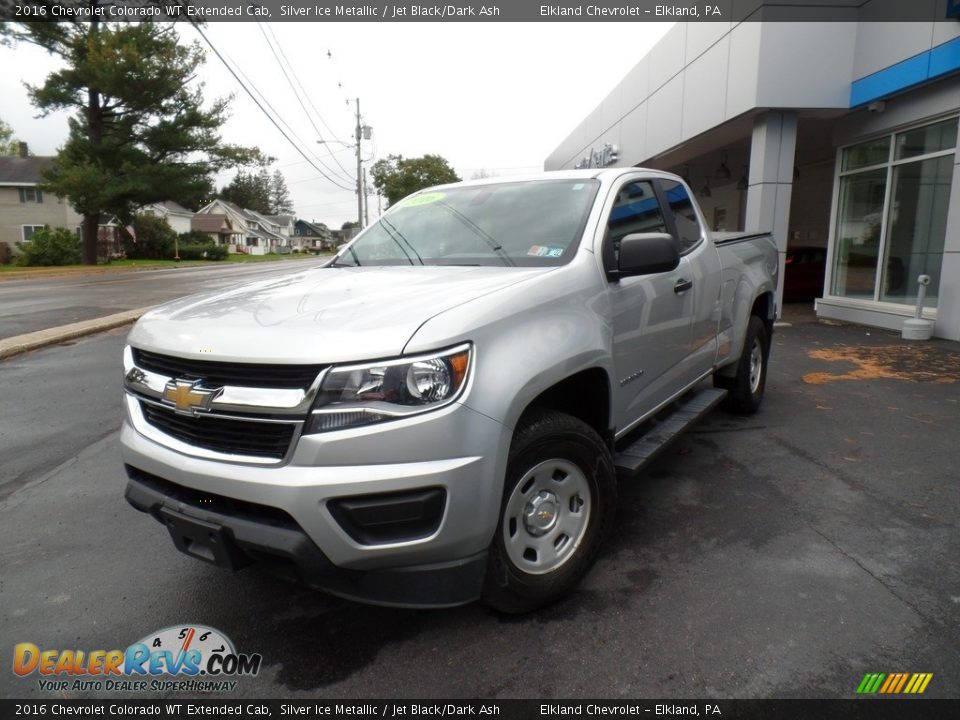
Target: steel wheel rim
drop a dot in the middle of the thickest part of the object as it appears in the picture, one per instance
(535, 542)
(756, 366)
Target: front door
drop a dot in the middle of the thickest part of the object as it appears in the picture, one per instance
(651, 316)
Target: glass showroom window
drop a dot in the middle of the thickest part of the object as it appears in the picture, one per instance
(894, 193)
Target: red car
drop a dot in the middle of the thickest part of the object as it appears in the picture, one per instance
(804, 273)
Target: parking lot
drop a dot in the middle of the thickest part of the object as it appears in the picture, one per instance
(784, 554)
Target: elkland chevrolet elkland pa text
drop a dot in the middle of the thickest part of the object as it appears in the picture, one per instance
(440, 413)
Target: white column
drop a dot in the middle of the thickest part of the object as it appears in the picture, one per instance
(772, 151)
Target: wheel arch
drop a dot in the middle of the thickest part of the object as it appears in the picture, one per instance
(763, 306)
(584, 395)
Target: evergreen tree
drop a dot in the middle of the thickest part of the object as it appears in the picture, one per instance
(251, 191)
(280, 201)
(140, 132)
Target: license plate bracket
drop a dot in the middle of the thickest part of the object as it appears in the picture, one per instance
(204, 540)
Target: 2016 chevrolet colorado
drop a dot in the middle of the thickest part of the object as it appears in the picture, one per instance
(440, 413)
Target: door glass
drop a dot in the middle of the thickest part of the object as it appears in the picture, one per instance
(859, 215)
(635, 210)
(685, 217)
(917, 227)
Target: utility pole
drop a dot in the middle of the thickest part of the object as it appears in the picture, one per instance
(366, 199)
(359, 135)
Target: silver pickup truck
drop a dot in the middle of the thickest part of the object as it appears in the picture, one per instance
(441, 412)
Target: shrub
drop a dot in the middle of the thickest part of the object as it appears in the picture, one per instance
(50, 246)
(154, 238)
(203, 252)
(195, 237)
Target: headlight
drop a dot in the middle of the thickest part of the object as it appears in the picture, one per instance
(353, 395)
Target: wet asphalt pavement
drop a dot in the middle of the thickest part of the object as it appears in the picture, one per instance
(780, 555)
(39, 303)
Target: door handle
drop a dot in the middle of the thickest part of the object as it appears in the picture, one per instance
(682, 286)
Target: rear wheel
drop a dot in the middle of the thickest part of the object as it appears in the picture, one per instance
(747, 386)
(558, 505)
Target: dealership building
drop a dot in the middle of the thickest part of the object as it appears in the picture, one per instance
(839, 135)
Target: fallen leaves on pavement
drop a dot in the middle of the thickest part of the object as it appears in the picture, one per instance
(913, 363)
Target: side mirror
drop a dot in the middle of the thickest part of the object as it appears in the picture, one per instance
(645, 254)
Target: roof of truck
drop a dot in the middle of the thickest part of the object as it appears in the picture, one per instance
(598, 173)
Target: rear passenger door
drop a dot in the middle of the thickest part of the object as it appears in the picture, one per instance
(650, 318)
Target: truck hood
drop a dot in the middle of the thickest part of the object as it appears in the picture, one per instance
(320, 316)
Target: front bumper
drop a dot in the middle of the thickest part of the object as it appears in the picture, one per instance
(246, 536)
(454, 449)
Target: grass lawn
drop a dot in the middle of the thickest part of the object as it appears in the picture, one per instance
(12, 270)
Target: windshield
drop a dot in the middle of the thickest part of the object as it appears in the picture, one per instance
(524, 224)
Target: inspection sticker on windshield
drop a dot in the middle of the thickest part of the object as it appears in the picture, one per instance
(545, 251)
(424, 199)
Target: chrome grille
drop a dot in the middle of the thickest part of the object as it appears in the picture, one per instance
(255, 375)
(224, 435)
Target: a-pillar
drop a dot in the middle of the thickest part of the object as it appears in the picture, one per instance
(772, 151)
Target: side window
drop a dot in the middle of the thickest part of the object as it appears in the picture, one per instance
(27, 231)
(30, 195)
(635, 210)
(684, 215)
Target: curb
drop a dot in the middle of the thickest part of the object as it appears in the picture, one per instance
(84, 272)
(107, 270)
(52, 336)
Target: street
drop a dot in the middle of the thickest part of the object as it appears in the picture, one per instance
(780, 555)
(40, 303)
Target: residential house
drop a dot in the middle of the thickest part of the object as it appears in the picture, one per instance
(177, 216)
(344, 235)
(284, 222)
(255, 233)
(24, 207)
(279, 225)
(312, 236)
(218, 227)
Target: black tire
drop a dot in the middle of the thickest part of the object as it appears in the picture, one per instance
(745, 394)
(570, 456)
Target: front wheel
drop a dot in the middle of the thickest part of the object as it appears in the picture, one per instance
(746, 387)
(558, 505)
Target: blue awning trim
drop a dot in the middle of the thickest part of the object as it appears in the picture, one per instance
(929, 65)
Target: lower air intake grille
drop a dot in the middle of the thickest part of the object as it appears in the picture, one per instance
(235, 437)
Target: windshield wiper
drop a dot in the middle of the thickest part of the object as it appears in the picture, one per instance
(356, 260)
(388, 226)
(479, 232)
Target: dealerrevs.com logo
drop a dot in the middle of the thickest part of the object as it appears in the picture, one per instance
(189, 658)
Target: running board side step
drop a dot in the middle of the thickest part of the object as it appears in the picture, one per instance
(665, 427)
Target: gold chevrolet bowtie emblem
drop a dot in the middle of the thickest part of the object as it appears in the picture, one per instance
(187, 397)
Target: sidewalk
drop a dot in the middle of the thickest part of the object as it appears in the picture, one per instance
(52, 336)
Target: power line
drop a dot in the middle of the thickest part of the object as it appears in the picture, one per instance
(303, 91)
(316, 205)
(263, 110)
(285, 123)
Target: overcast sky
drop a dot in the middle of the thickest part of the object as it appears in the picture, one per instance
(497, 97)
